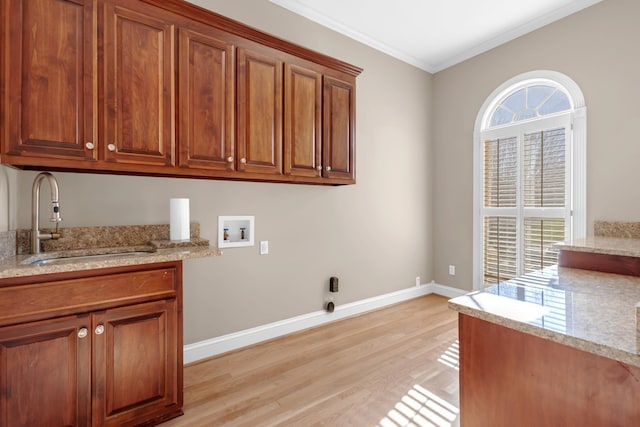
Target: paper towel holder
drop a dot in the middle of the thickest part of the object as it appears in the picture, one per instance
(236, 231)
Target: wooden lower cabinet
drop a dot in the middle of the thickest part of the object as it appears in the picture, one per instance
(116, 363)
(45, 375)
(134, 364)
(510, 378)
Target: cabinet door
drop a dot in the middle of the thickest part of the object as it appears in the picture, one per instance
(259, 112)
(50, 86)
(339, 130)
(139, 83)
(206, 107)
(137, 364)
(302, 122)
(45, 373)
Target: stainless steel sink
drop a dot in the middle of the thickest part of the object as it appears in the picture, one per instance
(56, 258)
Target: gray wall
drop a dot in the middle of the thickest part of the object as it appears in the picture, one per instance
(598, 49)
(375, 235)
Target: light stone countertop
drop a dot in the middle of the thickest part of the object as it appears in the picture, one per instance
(19, 265)
(603, 245)
(591, 311)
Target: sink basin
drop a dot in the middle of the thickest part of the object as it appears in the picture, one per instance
(60, 257)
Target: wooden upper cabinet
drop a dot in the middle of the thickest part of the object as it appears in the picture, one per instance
(206, 105)
(161, 87)
(138, 81)
(259, 99)
(339, 130)
(44, 375)
(49, 80)
(302, 122)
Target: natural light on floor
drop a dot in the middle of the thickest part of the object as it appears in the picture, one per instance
(420, 408)
(451, 356)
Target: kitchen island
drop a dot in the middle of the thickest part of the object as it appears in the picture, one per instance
(558, 347)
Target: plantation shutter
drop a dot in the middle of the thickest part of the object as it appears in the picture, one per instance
(544, 169)
(500, 183)
(525, 200)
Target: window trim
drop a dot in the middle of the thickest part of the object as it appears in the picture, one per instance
(577, 154)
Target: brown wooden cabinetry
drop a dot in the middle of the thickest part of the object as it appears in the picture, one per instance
(45, 373)
(162, 87)
(339, 129)
(260, 95)
(512, 378)
(303, 122)
(206, 103)
(92, 349)
(138, 75)
(49, 80)
(135, 363)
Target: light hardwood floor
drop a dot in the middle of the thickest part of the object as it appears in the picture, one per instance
(388, 368)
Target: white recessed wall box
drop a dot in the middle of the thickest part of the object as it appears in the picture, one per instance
(235, 231)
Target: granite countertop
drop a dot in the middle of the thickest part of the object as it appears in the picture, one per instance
(88, 248)
(591, 311)
(22, 265)
(603, 245)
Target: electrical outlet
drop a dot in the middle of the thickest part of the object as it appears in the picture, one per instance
(264, 247)
(417, 280)
(452, 270)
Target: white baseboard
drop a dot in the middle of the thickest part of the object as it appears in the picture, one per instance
(222, 344)
(446, 291)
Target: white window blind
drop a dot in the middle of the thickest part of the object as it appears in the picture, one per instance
(544, 168)
(500, 251)
(500, 172)
(526, 208)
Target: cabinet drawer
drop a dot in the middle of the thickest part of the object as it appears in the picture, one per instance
(110, 288)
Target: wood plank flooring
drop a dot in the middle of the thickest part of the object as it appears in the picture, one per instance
(388, 368)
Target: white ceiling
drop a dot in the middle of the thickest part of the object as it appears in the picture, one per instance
(434, 34)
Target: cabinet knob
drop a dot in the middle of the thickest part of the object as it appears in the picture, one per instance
(230, 159)
(328, 168)
(111, 147)
(99, 329)
(319, 167)
(243, 160)
(82, 332)
(89, 145)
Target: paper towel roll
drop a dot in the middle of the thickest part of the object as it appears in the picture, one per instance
(179, 219)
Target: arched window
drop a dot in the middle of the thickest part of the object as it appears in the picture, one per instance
(529, 175)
